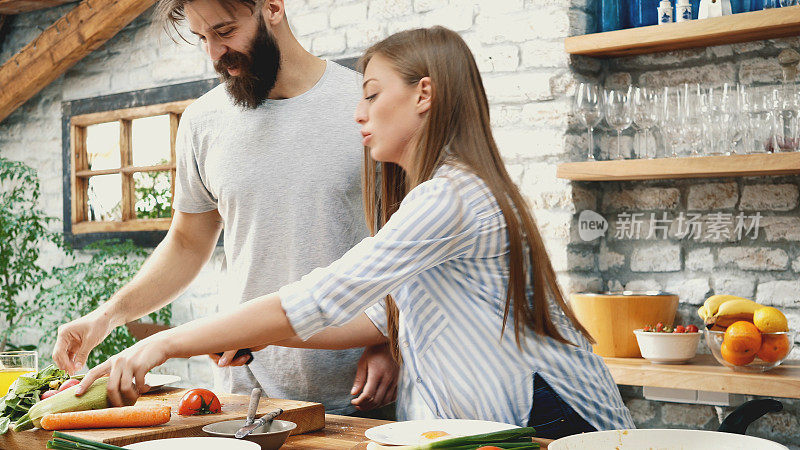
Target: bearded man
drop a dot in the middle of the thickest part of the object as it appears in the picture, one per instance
(273, 155)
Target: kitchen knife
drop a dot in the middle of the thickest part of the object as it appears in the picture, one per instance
(265, 419)
(241, 352)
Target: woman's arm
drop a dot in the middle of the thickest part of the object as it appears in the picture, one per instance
(256, 322)
(359, 332)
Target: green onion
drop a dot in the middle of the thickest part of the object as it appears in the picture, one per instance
(511, 437)
(64, 441)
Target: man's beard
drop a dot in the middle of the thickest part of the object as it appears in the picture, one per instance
(258, 71)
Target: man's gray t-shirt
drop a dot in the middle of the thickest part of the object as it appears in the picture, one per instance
(286, 179)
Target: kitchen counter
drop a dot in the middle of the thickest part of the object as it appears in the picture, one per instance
(704, 373)
(340, 432)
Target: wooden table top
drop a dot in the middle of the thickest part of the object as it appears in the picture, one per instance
(704, 373)
(340, 432)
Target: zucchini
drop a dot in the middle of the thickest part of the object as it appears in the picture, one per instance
(65, 401)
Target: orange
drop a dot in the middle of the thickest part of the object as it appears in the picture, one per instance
(742, 337)
(736, 358)
(774, 347)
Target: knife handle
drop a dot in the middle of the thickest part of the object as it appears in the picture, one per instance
(241, 352)
(255, 396)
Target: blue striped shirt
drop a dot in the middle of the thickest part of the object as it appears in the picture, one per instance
(444, 257)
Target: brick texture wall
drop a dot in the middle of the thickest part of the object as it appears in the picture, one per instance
(529, 79)
(763, 267)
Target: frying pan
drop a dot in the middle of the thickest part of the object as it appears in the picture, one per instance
(729, 435)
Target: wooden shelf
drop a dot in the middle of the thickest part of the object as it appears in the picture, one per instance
(765, 164)
(743, 27)
(704, 373)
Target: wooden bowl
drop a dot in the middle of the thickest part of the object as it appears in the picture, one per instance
(611, 317)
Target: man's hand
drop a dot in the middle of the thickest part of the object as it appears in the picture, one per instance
(77, 338)
(125, 367)
(376, 378)
(225, 359)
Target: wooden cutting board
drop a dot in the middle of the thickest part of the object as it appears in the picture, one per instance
(308, 417)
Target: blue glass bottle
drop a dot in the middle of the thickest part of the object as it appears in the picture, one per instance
(756, 5)
(644, 13)
(696, 8)
(610, 15)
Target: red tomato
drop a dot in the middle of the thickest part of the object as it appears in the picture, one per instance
(47, 394)
(199, 401)
(69, 383)
(691, 329)
(680, 329)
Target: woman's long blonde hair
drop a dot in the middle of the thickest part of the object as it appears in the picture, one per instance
(458, 128)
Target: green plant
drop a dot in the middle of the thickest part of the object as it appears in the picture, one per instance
(83, 286)
(153, 193)
(23, 233)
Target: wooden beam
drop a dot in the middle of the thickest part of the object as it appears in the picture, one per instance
(82, 30)
(22, 6)
(4, 22)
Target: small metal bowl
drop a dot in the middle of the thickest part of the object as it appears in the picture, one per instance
(269, 438)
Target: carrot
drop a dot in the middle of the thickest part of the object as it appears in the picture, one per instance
(126, 416)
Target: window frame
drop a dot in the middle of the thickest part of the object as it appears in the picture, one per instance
(124, 108)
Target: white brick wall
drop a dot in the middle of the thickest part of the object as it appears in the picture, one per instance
(529, 79)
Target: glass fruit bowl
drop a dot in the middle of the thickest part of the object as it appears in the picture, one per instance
(775, 348)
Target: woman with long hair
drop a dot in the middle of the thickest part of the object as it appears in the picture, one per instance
(471, 305)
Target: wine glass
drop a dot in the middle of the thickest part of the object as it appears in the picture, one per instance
(618, 114)
(785, 116)
(589, 107)
(696, 108)
(645, 115)
(672, 113)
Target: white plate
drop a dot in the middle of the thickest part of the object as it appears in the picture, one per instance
(409, 432)
(156, 380)
(195, 443)
(663, 440)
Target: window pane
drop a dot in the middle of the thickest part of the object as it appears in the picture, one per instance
(105, 198)
(153, 196)
(151, 145)
(102, 146)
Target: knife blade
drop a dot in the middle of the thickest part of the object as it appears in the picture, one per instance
(265, 419)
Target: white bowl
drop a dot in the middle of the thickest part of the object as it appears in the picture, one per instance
(667, 348)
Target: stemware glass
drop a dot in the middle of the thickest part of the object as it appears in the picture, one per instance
(672, 119)
(761, 121)
(618, 114)
(784, 101)
(645, 115)
(589, 107)
(696, 109)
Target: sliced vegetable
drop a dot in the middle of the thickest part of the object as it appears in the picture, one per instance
(127, 416)
(199, 401)
(65, 401)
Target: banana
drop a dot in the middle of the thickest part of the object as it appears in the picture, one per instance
(733, 311)
(728, 320)
(702, 313)
(737, 306)
(713, 303)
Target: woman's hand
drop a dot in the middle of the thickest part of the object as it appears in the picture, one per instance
(125, 367)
